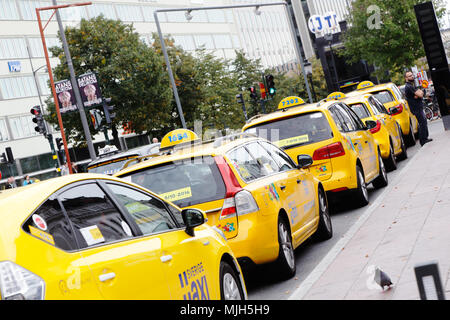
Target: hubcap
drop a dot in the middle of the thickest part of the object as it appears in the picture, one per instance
(363, 185)
(324, 211)
(286, 245)
(230, 288)
(382, 168)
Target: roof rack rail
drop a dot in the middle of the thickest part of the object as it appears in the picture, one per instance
(259, 115)
(140, 159)
(218, 142)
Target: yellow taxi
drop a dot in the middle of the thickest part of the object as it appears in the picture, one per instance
(392, 98)
(253, 191)
(345, 153)
(92, 236)
(387, 132)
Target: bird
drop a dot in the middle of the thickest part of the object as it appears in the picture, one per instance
(382, 279)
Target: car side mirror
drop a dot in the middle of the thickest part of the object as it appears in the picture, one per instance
(192, 218)
(370, 124)
(304, 161)
(393, 110)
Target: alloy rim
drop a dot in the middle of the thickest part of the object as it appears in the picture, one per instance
(286, 245)
(363, 185)
(324, 211)
(230, 288)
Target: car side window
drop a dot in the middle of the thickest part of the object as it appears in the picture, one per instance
(357, 122)
(283, 161)
(149, 213)
(248, 168)
(338, 119)
(266, 162)
(94, 217)
(375, 104)
(49, 224)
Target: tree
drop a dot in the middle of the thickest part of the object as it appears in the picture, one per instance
(384, 33)
(128, 71)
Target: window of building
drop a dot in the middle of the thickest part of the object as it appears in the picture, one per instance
(186, 42)
(8, 10)
(37, 163)
(17, 87)
(28, 9)
(107, 10)
(204, 40)
(129, 13)
(13, 48)
(199, 16)
(43, 80)
(22, 127)
(37, 49)
(148, 14)
(176, 16)
(216, 16)
(73, 13)
(3, 131)
(223, 41)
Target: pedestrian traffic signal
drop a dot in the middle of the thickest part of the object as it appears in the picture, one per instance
(108, 110)
(253, 94)
(59, 143)
(270, 85)
(39, 120)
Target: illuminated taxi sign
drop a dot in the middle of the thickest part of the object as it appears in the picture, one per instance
(336, 96)
(177, 137)
(290, 102)
(364, 85)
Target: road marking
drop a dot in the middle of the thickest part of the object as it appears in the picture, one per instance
(318, 271)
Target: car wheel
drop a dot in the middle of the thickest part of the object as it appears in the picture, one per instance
(286, 260)
(362, 195)
(410, 138)
(404, 154)
(230, 288)
(382, 180)
(390, 162)
(325, 229)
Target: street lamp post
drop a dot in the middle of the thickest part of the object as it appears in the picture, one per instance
(240, 6)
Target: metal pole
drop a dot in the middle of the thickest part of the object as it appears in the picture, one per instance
(73, 80)
(298, 49)
(169, 70)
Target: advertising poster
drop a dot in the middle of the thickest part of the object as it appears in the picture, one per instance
(66, 96)
(89, 89)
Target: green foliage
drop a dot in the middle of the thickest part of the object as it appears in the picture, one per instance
(391, 40)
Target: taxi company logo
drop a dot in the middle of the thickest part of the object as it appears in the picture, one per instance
(194, 283)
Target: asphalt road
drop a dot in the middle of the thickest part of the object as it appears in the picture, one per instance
(262, 282)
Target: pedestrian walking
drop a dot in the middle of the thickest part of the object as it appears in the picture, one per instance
(414, 96)
(11, 183)
(27, 180)
(65, 169)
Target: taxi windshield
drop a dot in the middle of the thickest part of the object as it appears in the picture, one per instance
(108, 168)
(294, 131)
(384, 96)
(185, 182)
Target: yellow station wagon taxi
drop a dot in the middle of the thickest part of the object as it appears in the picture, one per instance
(346, 156)
(91, 236)
(387, 132)
(264, 203)
(393, 100)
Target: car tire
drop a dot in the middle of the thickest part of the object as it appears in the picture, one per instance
(361, 193)
(382, 180)
(230, 286)
(390, 162)
(410, 138)
(404, 154)
(325, 228)
(285, 263)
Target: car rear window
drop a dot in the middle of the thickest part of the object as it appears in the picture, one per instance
(360, 109)
(185, 183)
(384, 96)
(298, 130)
(109, 167)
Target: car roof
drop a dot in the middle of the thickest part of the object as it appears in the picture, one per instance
(214, 147)
(139, 151)
(356, 98)
(377, 87)
(287, 112)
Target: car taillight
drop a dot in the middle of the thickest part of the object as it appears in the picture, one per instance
(399, 109)
(330, 151)
(17, 283)
(377, 128)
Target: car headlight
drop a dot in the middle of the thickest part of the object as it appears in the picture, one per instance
(17, 283)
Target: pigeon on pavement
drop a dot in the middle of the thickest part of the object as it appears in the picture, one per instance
(382, 279)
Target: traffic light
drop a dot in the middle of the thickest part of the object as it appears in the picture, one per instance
(240, 98)
(108, 110)
(270, 85)
(9, 155)
(59, 143)
(96, 118)
(253, 94)
(38, 119)
(3, 158)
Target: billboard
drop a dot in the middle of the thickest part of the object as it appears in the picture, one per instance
(89, 89)
(66, 96)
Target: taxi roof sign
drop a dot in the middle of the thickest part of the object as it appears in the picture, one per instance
(336, 96)
(289, 102)
(178, 137)
(364, 85)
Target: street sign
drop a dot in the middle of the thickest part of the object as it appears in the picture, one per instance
(66, 96)
(89, 89)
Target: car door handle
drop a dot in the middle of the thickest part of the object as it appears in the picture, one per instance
(298, 180)
(166, 258)
(106, 276)
(366, 141)
(282, 187)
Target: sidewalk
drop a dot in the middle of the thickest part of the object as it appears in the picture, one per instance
(408, 225)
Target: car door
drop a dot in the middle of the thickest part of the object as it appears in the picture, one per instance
(383, 115)
(123, 266)
(301, 202)
(188, 263)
